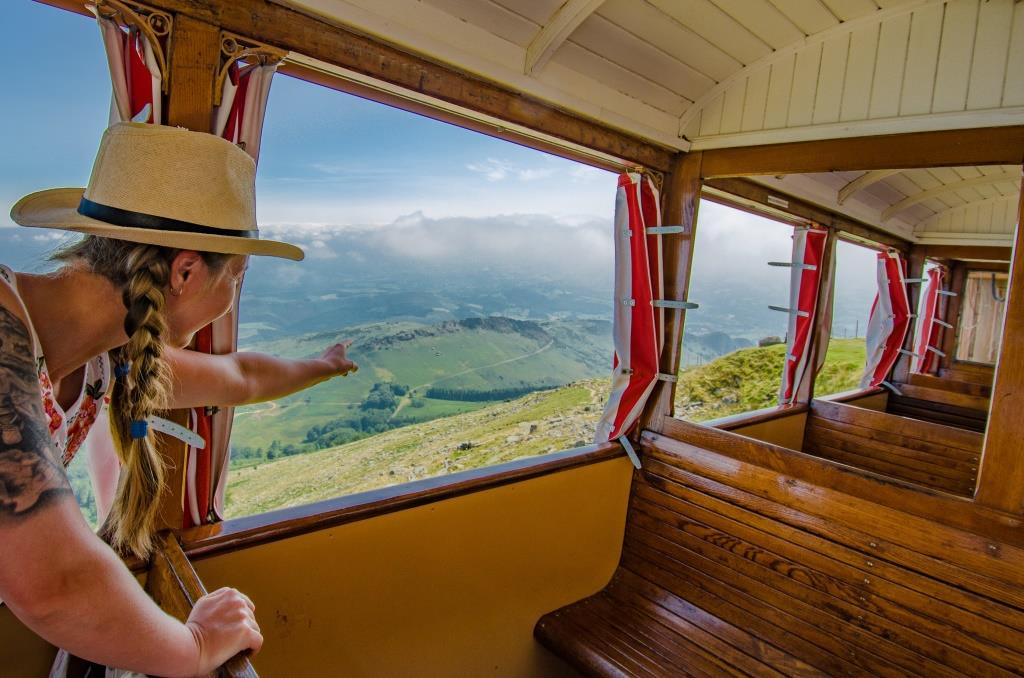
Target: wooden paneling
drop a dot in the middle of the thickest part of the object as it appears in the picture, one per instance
(452, 587)
(796, 469)
(940, 58)
(1001, 482)
(241, 533)
(928, 454)
(730, 569)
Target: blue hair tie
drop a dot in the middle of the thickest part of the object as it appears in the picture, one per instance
(122, 370)
(139, 429)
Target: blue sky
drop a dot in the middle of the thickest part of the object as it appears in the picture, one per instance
(327, 158)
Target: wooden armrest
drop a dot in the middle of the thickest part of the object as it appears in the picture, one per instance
(175, 587)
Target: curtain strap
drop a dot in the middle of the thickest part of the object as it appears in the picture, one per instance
(630, 452)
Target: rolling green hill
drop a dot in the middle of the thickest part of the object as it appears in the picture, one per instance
(748, 379)
(554, 420)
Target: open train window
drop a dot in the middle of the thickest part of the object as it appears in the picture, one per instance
(981, 316)
(734, 344)
(853, 294)
(473, 275)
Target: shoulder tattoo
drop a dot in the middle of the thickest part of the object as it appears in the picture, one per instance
(30, 474)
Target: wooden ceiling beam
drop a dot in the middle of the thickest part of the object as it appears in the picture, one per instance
(862, 182)
(294, 31)
(965, 252)
(947, 148)
(751, 192)
(557, 30)
(946, 189)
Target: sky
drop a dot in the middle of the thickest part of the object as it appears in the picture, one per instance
(334, 161)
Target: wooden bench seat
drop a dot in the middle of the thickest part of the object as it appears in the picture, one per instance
(929, 454)
(731, 568)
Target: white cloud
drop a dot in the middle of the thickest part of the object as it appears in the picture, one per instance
(497, 170)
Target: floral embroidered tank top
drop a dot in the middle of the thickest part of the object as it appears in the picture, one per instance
(68, 428)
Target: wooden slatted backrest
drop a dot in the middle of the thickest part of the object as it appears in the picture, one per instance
(942, 457)
(959, 408)
(847, 585)
(948, 384)
(980, 374)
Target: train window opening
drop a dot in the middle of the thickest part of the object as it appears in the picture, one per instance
(853, 293)
(734, 345)
(981, 317)
(473, 275)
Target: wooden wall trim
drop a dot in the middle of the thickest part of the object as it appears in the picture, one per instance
(238, 533)
(294, 31)
(947, 148)
(961, 252)
(761, 416)
(804, 211)
(1001, 476)
(681, 203)
(959, 512)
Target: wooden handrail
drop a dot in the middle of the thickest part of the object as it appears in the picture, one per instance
(175, 587)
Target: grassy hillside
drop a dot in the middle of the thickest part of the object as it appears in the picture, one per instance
(470, 355)
(748, 379)
(534, 424)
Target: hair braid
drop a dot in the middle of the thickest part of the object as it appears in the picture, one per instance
(132, 519)
(141, 272)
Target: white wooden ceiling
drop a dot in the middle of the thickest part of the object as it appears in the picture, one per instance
(941, 206)
(694, 74)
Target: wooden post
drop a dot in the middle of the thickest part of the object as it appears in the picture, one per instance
(194, 60)
(915, 269)
(682, 201)
(1001, 475)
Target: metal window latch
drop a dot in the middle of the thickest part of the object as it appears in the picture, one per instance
(791, 311)
(669, 303)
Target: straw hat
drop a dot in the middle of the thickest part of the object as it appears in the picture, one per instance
(161, 186)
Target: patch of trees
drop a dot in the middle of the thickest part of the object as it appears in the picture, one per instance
(476, 396)
(384, 396)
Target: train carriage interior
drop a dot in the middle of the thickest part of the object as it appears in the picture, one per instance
(874, 530)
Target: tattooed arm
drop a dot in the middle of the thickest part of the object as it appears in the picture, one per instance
(58, 577)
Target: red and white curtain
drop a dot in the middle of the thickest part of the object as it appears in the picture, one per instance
(638, 322)
(239, 118)
(929, 323)
(810, 252)
(889, 320)
(134, 74)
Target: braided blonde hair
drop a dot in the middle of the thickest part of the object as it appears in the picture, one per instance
(142, 273)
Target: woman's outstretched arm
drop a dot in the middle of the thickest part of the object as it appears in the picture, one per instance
(241, 378)
(59, 578)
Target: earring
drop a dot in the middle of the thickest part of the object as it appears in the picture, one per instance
(176, 292)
